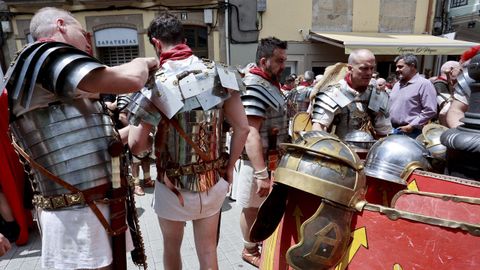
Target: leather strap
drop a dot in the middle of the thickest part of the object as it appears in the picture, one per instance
(197, 149)
(66, 185)
(184, 135)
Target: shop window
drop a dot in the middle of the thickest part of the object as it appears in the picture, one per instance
(114, 56)
(197, 39)
(458, 3)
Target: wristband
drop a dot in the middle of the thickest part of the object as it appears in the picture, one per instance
(261, 175)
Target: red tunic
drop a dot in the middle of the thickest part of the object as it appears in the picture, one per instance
(12, 174)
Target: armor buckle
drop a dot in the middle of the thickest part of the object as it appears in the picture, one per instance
(73, 199)
(58, 202)
(199, 168)
(188, 169)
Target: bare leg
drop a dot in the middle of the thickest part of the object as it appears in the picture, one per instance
(246, 221)
(138, 189)
(250, 253)
(147, 179)
(5, 210)
(172, 232)
(205, 233)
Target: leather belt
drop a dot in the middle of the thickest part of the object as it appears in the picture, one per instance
(199, 168)
(71, 199)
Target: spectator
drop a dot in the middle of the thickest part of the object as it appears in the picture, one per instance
(308, 78)
(413, 99)
(289, 84)
(382, 84)
(391, 80)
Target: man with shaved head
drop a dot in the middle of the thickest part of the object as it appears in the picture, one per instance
(444, 85)
(352, 103)
(382, 84)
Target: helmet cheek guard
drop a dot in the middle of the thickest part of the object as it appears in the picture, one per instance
(324, 166)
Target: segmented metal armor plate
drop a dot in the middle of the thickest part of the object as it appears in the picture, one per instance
(350, 111)
(463, 142)
(199, 89)
(263, 99)
(298, 100)
(67, 136)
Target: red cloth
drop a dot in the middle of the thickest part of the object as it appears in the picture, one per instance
(348, 79)
(305, 83)
(179, 52)
(12, 174)
(258, 71)
(441, 78)
(287, 87)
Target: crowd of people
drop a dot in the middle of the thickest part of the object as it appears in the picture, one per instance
(169, 119)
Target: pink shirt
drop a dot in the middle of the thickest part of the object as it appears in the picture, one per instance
(413, 103)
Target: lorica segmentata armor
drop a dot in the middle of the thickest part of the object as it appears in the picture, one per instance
(70, 140)
(298, 100)
(263, 99)
(68, 136)
(350, 110)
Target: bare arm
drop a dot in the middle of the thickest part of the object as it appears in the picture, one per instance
(235, 114)
(254, 148)
(139, 138)
(129, 77)
(318, 126)
(455, 113)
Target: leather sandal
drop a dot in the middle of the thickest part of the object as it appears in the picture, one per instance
(251, 256)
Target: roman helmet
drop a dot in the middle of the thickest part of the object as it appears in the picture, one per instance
(359, 139)
(322, 165)
(395, 157)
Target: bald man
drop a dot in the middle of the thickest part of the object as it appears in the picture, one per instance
(444, 85)
(353, 103)
(382, 84)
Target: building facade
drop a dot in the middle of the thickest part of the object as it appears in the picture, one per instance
(319, 32)
(118, 29)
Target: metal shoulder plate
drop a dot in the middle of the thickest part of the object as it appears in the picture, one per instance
(332, 99)
(378, 101)
(140, 108)
(59, 67)
(260, 95)
(202, 86)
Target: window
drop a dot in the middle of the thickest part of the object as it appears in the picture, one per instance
(116, 45)
(114, 56)
(458, 3)
(197, 39)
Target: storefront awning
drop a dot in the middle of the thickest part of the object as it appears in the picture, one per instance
(393, 44)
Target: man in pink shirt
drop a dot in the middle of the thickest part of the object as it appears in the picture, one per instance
(413, 99)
